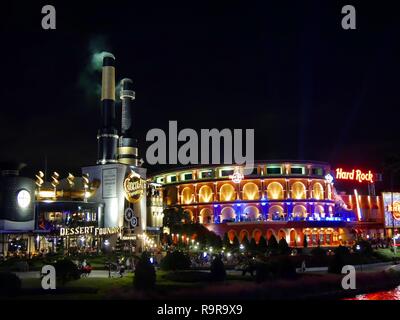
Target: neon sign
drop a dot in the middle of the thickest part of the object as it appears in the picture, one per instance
(355, 174)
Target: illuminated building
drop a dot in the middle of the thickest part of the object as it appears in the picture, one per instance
(286, 199)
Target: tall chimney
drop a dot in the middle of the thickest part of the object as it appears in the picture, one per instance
(127, 145)
(107, 137)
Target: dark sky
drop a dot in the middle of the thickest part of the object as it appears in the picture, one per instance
(310, 89)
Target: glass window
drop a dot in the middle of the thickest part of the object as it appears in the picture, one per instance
(187, 176)
(160, 180)
(274, 170)
(297, 170)
(171, 178)
(317, 171)
(226, 172)
(206, 174)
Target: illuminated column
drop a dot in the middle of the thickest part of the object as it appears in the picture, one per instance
(262, 189)
(216, 193)
(178, 195)
(196, 198)
(288, 193)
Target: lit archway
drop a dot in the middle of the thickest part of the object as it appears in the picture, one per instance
(275, 191)
(275, 213)
(243, 234)
(227, 192)
(318, 191)
(299, 212)
(319, 211)
(190, 213)
(231, 235)
(228, 213)
(281, 234)
(292, 237)
(251, 213)
(205, 194)
(269, 234)
(206, 215)
(187, 195)
(257, 235)
(298, 190)
(250, 191)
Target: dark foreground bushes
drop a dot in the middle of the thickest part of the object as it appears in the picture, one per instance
(66, 271)
(218, 272)
(175, 260)
(282, 268)
(145, 274)
(10, 284)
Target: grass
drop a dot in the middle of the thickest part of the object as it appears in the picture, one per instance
(386, 254)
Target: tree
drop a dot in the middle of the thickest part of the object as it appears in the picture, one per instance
(226, 242)
(283, 246)
(253, 244)
(305, 241)
(272, 243)
(245, 242)
(235, 242)
(218, 272)
(262, 244)
(145, 274)
(175, 217)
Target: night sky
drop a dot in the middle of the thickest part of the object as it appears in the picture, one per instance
(310, 89)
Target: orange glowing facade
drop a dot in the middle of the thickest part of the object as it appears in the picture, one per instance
(287, 199)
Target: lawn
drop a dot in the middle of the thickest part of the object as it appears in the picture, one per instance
(386, 254)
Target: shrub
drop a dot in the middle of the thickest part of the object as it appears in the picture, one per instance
(66, 270)
(339, 260)
(280, 268)
(175, 260)
(218, 272)
(365, 247)
(10, 284)
(145, 274)
(318, 252)
(336, 264)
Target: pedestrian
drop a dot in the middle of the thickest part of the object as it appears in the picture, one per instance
(121, 270)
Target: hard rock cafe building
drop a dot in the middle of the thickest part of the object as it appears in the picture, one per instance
(287, 199)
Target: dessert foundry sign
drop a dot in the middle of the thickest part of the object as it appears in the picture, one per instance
(80, 231)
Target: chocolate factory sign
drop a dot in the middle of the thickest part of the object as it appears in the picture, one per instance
(80, 231)
(134, 187)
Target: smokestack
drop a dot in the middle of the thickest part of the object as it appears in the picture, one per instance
(107, 137)
(127, 145)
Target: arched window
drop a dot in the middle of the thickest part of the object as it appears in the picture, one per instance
(318, 191)
(206, 216)
(299, 212)
(275, 191)
(228, 214)
(298, 190)
(276, 213)
(227, 192)
(251, 213)
(187, 195)
(250, 191)
(205, 194)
